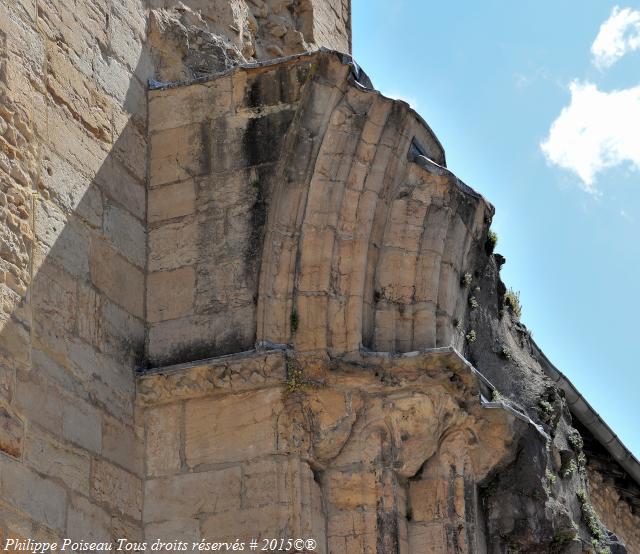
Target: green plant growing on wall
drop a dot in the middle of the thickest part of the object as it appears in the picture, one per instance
(471, 336)
(492, 240)
(506, 352)
(571, 469)
(512, 301)
(592, 520)
(575, 440)
(546, 410)
(473, 303)
(466, 280)
(294, 320)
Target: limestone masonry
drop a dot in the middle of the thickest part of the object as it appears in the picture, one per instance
(242, 297)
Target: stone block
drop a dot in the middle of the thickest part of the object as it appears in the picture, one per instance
(117, 278)
(202, 336)
(130, 146)
(172, 108)
(11, 433)
(7, 380)
(233, 428)
(87, 521)
(38, 400)
(126, 233)
(82, 425)
(44, 500)
(70, 190)
(120, 334)
(192, 494)
(50, 457)
(122, 445)
(228, 284)
(179, 153)
(163, 440)
(428, 537)
(272, 522)
(351, 491)
(118, 488)
(69, 87)
(73, 142)
(63, 240)
(176, 529)
(121, 186)
(269, 482)
(170, 294)
(172, 201)
(173, 245)
(54, 297)
(429, 499)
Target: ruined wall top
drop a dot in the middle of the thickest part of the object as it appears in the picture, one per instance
(196, 38)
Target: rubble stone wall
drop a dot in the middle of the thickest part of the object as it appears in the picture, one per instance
(72, 258)
(197, 38)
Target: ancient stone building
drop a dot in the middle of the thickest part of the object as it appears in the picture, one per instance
(242, 297)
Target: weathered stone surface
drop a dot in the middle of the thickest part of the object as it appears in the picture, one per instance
(82, 425)
(117, 488)
(70, 465)
(163, 439)
(11, 433)
(88, 522)
(280, 203)
(192, 494)
(233, 428)
(172, 201)
(170, 294)
(40, 498)
(121, 281)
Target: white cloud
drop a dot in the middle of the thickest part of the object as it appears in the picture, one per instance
(618, 35)
(598, 130)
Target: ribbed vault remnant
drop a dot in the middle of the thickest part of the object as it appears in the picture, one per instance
(347, 241)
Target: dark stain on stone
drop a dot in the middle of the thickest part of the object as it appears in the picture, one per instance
(264, 135)
(271, 88)
(257, 222)
(230, 344)
(387, 532)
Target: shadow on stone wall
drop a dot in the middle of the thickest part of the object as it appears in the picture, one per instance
(73, 252)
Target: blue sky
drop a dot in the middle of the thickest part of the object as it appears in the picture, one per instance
(538, 107)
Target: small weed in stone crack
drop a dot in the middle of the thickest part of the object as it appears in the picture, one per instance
(571, 469)
(592, 520)
(466, 279)
(546, 409)
(473, 303)
(506, 353)
(575, 440)
(471, 336)
(512, 301)
(492, 240)
(294, 320)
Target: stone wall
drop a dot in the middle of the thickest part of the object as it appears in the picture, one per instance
(276, 445)
(304, 231)
(283, 200)
(614, 495)
(197, 38)
(72, 258)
